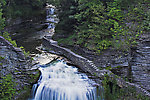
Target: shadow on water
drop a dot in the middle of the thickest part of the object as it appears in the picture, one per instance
(29, 36)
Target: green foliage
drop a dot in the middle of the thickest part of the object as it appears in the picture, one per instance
(13, 42)
(114, 10)
(113, 92)
(1, 58)
(7, 37)
(2, 20)
(91, 22)
(111, 89)
(102, 45)
(25, 53)
(7, 90)
(2, 24)
(23, 8)
(99, 25)
(68, 9)
(69, 40)
(34, 78)
(108, 68)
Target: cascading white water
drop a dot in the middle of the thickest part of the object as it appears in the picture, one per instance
(59, 81)
(51, 17)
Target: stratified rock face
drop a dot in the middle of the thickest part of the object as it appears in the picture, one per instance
(83, 63)
(134, 65)
(140, 64)
(125, 61)
(14, 63)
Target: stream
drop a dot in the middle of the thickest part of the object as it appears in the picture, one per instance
(59, 81)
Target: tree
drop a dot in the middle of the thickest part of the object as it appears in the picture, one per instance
(92, 26)
(22, 8)
(2, 20)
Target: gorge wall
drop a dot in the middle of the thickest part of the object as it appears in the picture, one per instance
(17, 66)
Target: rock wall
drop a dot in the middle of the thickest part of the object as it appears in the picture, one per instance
(87, 65)
(116, 61)
(15, 63)
(133, 65)
(140, 63)
(83, 63)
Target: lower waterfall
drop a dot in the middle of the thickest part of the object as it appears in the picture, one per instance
(59, 81)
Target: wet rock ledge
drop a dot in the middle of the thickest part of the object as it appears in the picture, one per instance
(87, 65)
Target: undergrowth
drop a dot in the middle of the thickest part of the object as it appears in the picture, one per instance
(113, 92)
(7, 90)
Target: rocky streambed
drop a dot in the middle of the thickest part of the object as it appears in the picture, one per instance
(133, 65)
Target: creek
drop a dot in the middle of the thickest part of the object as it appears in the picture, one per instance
(58, 81)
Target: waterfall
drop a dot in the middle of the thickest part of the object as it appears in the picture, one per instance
(52, 11)
(59, 81)
(51, 18)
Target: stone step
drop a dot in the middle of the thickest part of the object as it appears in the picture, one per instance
(141, 80)
(144, 85)
(146, 47)
(142, 64)
(137, 68)
(140, 60)
(143, 52)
